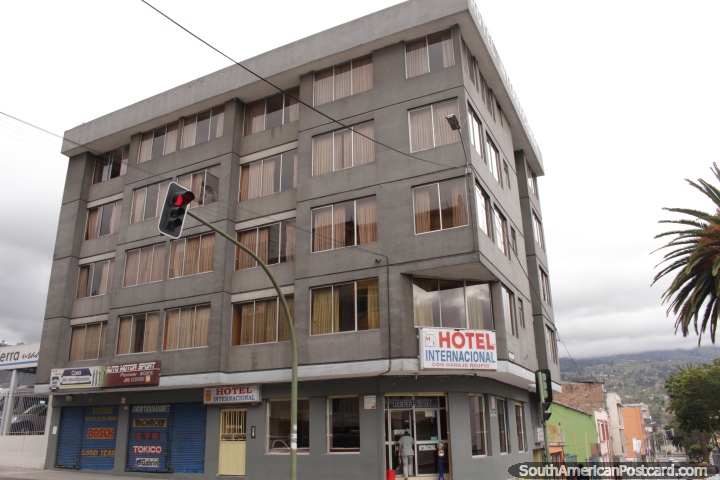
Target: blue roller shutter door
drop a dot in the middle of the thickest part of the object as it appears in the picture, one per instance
(98, 438)
(70, 437)
(187, 438)
(148, 438)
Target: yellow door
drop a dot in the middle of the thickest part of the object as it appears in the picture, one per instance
(232, 441)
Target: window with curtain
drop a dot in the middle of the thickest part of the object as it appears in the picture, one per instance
(475, 131)
(138, 333)
(429, 127)
(440, 206)
(261, 321)
(506, 171)
(500, 230)
(110, 164)
(538, 231)
(502, 416)
(278, 425)
(343, 80)
(429, 54)
(192, 255)
(144, 265)
(478, 425)
(95, 278)
(147, 202)
(103, 220)
(531, 181)
(158, 142)
(346, 307)
(451, 303)
(268, 175)
(203, 127)
(521, 312)
(273, 243)
(545, 286)
(205, 184)
(472, 70)
(343, 424)
(493, 159)
(513, 240)
(483, 204)
(87, 342)
(186, 327)
(344, 224)
(509, 311)
(520, 424)
(551, 343)
(272, 111)
(346, 148)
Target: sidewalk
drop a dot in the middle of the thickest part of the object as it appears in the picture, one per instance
(10, 473)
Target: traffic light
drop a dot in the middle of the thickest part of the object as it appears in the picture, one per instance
(172, 216)
(544, 390)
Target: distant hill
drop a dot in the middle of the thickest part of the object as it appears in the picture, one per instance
(637, 377)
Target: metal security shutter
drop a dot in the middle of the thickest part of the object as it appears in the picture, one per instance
(98, 438)
(187, 438)
(148, 438)
(70, 437)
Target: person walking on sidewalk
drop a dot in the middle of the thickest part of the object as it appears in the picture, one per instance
(407, 453)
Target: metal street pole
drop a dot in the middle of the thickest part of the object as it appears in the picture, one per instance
(293, 343)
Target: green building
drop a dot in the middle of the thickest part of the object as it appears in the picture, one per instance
(574, 430)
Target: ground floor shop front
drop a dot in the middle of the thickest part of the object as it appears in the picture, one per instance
(467, 426)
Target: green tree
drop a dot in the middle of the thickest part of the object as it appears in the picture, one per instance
(694, 259)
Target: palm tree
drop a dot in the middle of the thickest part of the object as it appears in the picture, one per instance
(694, 259)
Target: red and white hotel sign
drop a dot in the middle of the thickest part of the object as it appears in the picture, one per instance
(450, 349)
(232, 394)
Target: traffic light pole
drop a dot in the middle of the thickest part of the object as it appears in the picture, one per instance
(293, 342)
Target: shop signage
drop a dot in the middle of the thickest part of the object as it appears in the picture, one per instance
(147, 462)
(19, 356)
(132, 375)
(450, 349)
(232, 394)
(415, 403)
(106, 433)
(86, 377)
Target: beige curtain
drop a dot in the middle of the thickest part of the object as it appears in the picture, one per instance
(186, 327)
(322, 229)
(198, 179)
(138, 205)
(188, 132)
(202, 326)
(473, 293)
(132, 261)
(447, 49)
(247, 323)
(323, 86)
(242, 259)
(83, 281)
(343, 149)
(372, 319)
(115, 219)
(255, 117)
(322, 154)
(151, 332)
(289, 240)
(219, 115)
(158, 263)
(336, 309)
(145, 147)
(343, 81)
(162, 193)
(207, 252)
(92, 341)
(192, 256)
(172, 327)
(292, 107)
(443, 133)
(145, 274)
(416, 60)
(124, 335)
(339, 218)
(362, 74)
(171, 138)
(244, 183)
(458, 201)
(423, 296)
(92, 223)
(283, 329)
(103, 268)
(111, 269)
(263, 244)
(77, 344)
(421, 134)
(366, 220)
(363, 145)
(266, 321)
(177, 255)
(421, 200)
(322, 311)
(268, 175)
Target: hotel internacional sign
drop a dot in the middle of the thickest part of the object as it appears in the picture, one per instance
(450, 349)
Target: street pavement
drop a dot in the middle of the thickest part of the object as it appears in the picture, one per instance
(10, 473)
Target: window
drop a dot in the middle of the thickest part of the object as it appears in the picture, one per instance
(551, 343)
(344, 149)
(148, 201)
(138, 333)
(429, 54)
(272, 111)
(513, 240)
(503, 425)
(103, 220)
(261, 321)
(186, 327)
(478, 430)
(500, 230)
(475, 131)
(506, 169)
(545, 286)
(483, 203)
(144, 265)
(205, 184)
(87, 342)
(204, 126)
(509, 311)
(429, 127)
(278, 426)
(343, 80)
(111, 164)
(493, 159)
(346, 307)
(343, 424)
(538, 231)
(95, 279)
(192, 255)
(520, 419)
(344, 224)
(269, 175)
(472, 70)
(158, 142)
(521, 312)
(532, 181)
(451, 303)
(273, 244)
(440, 206)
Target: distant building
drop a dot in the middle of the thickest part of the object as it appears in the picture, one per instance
(617, 426)
(638, 429)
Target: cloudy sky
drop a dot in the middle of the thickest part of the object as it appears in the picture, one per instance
(619, 94)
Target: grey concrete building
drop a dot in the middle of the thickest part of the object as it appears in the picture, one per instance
(412, 255)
